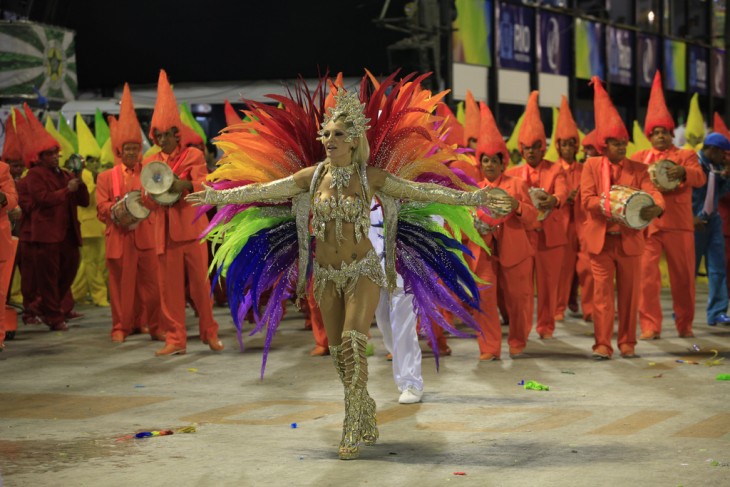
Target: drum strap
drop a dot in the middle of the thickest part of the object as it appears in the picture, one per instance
(117, 181)
(179, 160)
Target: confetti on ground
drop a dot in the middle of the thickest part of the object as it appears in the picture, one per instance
(690, 362)
(659, 376)
(569, 372)
(536, 386)
(369, 350)
(459, 473)
(293, 425)
(722, 377)
(192, 370)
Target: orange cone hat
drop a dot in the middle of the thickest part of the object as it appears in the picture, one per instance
(13, 149)
(166, 113)
(718, 125)
(232, 118)
(188, 137)
(532, 129)
(111, 120)
(589, 139)
(455, 136)
(491, 141)
(609, 124)
(128, 129)
(566, 126)
(39, 139)
(657, 113)
(471, 119)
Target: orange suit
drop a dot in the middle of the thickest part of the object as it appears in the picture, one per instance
(131, 255)
(177, 233)
(615, 251)
(549, 238)
(672, 233)
(7, 187)
(510, 266)
(572, 260)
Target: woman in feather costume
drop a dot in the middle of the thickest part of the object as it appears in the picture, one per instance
(270, 182)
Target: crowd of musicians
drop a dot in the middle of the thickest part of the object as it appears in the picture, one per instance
(593, 217)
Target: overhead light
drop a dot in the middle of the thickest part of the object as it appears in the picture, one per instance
(651, 16)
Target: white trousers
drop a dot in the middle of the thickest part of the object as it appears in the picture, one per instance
(397, 322)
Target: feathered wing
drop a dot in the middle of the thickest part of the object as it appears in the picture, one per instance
(408, 140)
(256, 245)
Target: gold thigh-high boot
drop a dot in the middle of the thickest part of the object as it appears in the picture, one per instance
(369, 426)
(359, 422)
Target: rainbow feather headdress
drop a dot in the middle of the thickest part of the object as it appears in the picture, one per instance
(261, 248)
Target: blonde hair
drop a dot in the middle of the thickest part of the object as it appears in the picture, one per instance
(361, 152)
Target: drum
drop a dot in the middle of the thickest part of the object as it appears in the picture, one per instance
(658, 175)
(537, 195)
(167, 198)
(626, 204)
(129, 211)
(157, 179)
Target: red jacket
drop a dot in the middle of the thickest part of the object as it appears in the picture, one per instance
(678, 214)
(54, 211)
(144, 233)
(188, 163)
(550, 177)
(633, 174)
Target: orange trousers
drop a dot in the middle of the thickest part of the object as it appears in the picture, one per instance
(134, 291)
(516, 285)
(179, 259)
(610, 263)
(548, 264)
(679, 248)
(313, 317)
(585, 280)
(567, 270)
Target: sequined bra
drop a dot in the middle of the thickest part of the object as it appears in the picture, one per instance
(340, 208)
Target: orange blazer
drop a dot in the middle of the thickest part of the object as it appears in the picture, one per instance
(510, 238)
(551, 178)
(7, 186)
(188, 163)
(678, 215)
(143, 234)
(635, 175)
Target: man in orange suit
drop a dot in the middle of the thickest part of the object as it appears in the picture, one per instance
(549, 236)
(511, 263)
(566, 138)
(8, 201)
(131, 252)
(55, 195)
(178, 230)
(673, 233)
(615, 249)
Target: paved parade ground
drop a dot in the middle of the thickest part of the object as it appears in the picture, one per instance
(71, 403)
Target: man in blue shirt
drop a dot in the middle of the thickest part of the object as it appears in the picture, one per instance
(709, 241)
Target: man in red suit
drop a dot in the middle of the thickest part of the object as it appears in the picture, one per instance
(549, 236)
(177, 230)
(131, 252)
(615, 249)
(673, 233)
(55, 195)
(566, 138)
(510, 264)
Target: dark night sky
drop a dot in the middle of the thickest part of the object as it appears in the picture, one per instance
(217, 40)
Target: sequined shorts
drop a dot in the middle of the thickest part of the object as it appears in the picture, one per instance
(345, 278)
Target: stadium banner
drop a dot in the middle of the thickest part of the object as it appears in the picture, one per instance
(620, 47)
(675, 65)
(515, 39)
(590, 56)
(472, 38)
(554, 32)
(37, 60)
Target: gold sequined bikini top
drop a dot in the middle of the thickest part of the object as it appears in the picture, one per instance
(340, 208)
